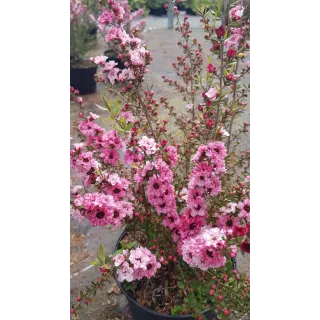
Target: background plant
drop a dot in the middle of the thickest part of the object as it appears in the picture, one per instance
(81, 40)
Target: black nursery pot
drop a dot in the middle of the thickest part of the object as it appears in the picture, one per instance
(82, 79)
(158, 12)
(139, 312)
(93, 31)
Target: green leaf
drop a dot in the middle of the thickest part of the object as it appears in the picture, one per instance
(129, 126)
(105, 102)
(95, 263)
(131, 244)
(118, 252)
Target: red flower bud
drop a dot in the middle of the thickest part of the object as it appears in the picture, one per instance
(226, 312)
(163, 142)
(103, 269)
(220, 32)
(211, 68)
(72, 311)
(209, 123)
(231, 53)
(79, 298)
(220, 298)
(230, 77)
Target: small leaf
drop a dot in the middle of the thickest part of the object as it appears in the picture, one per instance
(118, 252)
(105, 102)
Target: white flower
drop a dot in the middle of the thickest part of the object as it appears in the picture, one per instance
(224, 132)
(189, 107)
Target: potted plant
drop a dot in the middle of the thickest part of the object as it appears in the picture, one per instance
(82, 71)
(182, 194)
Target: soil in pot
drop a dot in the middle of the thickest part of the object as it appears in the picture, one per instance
(148, 299)
(82, 76)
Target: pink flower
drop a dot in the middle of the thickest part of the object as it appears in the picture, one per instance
(113, 75)
(110, 156)
(244, 209)
(139, 258)
(113, 179)
(148, 145)
(120, 258)
(110, 65)
(136, 58)
(204, 251)
(233, 41)
(100, 60)
(212, 94)
(125, 272)
(236, 12)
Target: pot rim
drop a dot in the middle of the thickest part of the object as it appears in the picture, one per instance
(141, 306)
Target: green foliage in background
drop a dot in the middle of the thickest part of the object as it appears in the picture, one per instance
(81, 37)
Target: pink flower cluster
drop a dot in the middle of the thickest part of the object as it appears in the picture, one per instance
(115, 12)
(107, 142)
(204, 179)
(77, 9)
(205, 250)
(233, 41)
(244, 209)
(82, 162)
(102, 210)
(112, 184)
(136, 264)
(236, 12)
(130, 48)
(148, 145)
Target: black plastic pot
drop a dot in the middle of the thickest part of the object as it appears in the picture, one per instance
(93, 31)
(82, 79)
(139, 312)
(158, 12)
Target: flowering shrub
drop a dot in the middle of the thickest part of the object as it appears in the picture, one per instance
(185, 202)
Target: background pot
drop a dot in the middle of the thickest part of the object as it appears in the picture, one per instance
(139, 312)
(158, 12)
(82, 79)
